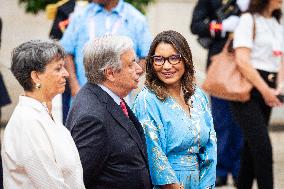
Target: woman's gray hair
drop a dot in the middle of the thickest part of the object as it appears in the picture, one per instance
(102, 53)
(31, 56)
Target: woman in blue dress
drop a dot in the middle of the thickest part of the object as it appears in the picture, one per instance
(174, 112)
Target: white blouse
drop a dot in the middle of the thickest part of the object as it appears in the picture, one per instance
(268, 39)
(38, 152)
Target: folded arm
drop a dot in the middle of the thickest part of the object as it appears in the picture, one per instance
(243, 56)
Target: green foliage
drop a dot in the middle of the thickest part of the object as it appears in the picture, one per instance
(140, 4)
(34, 6)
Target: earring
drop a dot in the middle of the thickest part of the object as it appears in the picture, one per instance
(37, 85)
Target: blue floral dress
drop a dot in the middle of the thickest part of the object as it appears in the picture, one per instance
(181, 148)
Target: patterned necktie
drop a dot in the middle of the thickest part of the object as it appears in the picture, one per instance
(123, 107)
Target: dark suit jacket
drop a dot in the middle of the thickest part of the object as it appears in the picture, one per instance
(111, 146)
(203, 13)
(4, 98)
(63, 13)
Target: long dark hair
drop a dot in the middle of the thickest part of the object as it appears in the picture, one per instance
(187, 81)
(258, 6)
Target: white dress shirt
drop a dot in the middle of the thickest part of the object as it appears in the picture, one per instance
(38, 152)
(114, 96)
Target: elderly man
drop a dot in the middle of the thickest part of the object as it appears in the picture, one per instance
(101, 17)
(108, 136)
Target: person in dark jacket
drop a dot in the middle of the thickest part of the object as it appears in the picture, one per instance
(212, 21)
(62, 15)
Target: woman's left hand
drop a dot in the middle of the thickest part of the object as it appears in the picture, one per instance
(172, 186)
(270, 97)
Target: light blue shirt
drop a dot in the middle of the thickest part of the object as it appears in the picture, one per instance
(124, 19)
(181, 148)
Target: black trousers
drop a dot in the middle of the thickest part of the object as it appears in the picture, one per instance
(66, 99)
(256, 157)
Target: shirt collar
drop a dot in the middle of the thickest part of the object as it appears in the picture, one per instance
(118, 9)
(31, 102)
(112, 94)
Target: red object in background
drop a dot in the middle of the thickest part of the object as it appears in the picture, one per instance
(63, 25)
(215, 26)
(277, 53)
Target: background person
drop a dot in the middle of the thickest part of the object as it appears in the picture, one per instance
(62, 15)
(174, 112)
(102, 17)
(261, 62)
(108, 136)
(212, 21)
(38, 151)
(60, 23)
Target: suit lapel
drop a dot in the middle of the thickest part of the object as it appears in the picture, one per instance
(131, 126)
(138, 127)
(126, 123)
(140, 131)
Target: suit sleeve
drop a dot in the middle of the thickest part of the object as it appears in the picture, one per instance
(62, 14)
(55, 32)
(91, 139)
(201, 19)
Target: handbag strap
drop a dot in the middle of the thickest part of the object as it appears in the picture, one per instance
(229, 43)
(253, 28)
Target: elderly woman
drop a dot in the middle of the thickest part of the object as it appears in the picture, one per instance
(38, 151)
(261, 61)
(177, 122)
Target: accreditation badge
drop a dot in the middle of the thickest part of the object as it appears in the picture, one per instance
(277, 43)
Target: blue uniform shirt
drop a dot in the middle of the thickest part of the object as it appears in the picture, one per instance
(124, 19)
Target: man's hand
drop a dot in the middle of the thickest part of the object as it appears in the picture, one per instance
(243, 4)
(172, 186)
(230, 23)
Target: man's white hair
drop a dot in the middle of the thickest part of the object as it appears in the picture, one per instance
(104, 52)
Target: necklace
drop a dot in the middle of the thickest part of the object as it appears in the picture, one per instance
(44, 104)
